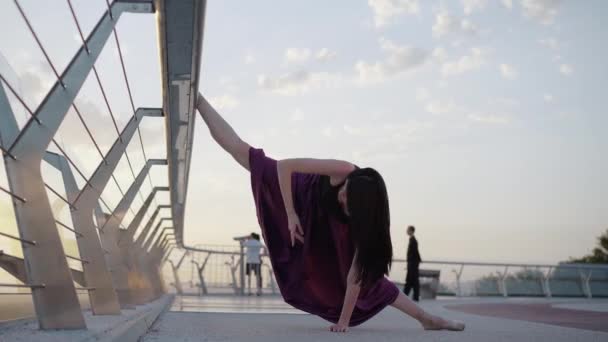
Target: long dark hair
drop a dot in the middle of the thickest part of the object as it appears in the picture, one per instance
(367, 202)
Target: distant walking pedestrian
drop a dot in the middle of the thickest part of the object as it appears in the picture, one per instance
(412, 280)
(254, 264)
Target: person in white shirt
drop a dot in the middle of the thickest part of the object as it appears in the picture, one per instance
(254, 248)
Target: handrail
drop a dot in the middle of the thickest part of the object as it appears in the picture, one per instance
(441, 262)
(76, 259)
(33, 243)
(180, 80)
(474, 263)
(29, 286)
(206, 250)
(546, 276)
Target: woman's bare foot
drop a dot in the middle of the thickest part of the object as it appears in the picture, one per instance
(430, 322)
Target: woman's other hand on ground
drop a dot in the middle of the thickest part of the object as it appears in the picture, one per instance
(339, 327)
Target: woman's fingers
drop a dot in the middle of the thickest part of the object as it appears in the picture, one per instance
(338, 328)
(299, 237)
(294, 234)
(299, 227)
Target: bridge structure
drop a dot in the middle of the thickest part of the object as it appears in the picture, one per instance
(117, 268)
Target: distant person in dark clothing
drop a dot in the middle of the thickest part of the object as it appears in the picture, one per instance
(413, 262)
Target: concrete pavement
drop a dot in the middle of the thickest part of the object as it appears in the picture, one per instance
(268, 319)
(129, 326)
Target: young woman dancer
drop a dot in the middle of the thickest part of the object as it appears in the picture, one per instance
(326, 227)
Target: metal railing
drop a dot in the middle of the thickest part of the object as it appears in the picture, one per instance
(521, 279)
(115, 268)
(217, 269)
(220, 268)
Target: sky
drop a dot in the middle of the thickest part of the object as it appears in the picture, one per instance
(487, 119)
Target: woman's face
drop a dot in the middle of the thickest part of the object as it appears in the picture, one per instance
(342, 198)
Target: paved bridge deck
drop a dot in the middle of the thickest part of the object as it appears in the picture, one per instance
(269, 319)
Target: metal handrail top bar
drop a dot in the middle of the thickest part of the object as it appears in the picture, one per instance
(458, 263)
(468, 263)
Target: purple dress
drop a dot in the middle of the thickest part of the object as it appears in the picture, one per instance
(311, 276)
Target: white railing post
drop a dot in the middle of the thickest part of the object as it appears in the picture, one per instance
(503, 282)
(545, 281)
(458, 284)
(585, 279)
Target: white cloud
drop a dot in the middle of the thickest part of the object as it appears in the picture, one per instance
(508, 71)
(566, 69)
(249, 58)
(386, 11)
(325, 54)
(404, 129)
(543, 11)
(508, 4)
(422, 94)
(225, 80)
(504, 102)
(228, 83)
(298, 82)
(399, 59)
(29, 76)
(297, 55)
(440, 107)
(551, 43)
(391, 140)
(567, 114)
(350, 130)
(297, 115)
(94, 115)
(435, 106)
(548, 98)
(471, 6)
(442, 83)
(303, 55)
(466, 63)
(388, 140)
(447, 24)
(439, 54)
(489, 119)
(224, 102)
(77, 38)
(449, 110)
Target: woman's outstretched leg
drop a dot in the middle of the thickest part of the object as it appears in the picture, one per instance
(223, 133)
(428, 321)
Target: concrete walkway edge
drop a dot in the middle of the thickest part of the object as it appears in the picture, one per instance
(135, 327)
(129, 326)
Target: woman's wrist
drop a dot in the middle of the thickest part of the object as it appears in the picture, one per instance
(343, 321)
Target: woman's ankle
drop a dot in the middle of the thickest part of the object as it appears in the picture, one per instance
(424, 318)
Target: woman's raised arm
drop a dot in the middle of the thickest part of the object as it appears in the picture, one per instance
(336, 169)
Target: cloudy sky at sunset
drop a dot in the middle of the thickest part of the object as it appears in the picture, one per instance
(486, 118)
